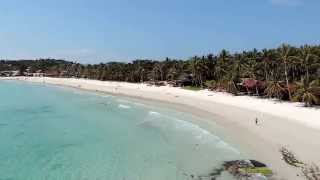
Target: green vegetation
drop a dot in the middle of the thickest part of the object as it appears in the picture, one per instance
(193, 88)
(262, 170)
(287, 72)
(306, 92)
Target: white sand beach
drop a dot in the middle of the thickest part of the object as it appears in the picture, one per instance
(281, 124)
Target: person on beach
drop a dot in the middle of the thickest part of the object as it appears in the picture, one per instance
(256, 121)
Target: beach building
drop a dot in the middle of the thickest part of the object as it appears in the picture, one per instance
(9, 73)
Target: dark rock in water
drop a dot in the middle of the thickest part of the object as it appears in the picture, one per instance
(217, 172)
(257, 163)
(238, 164)
(241, 169)
(247, 169)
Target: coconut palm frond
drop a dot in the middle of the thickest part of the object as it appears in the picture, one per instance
(274, 89)
(307, 93)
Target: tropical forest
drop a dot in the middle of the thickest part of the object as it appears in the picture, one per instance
(286, 73)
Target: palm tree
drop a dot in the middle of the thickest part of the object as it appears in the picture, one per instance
(284, 56)
(250, 68)
(306, 58)
(159, 67)
(265, 61)
(232, 77)
(199, 70)
(238, 63)
(139, 71)
(307, 93)
(274, 89)
(172, 73)
(232, 87)
(284, 64)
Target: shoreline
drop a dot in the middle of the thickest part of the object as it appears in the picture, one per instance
(281, 124)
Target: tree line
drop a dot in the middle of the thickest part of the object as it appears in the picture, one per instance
(287, 72)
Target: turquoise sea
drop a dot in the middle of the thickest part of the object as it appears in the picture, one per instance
(55, 133)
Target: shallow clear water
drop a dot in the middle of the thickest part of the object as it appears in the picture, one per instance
(50, 133)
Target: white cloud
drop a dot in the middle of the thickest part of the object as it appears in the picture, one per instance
(287, 2)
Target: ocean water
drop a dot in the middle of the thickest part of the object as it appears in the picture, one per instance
(54, 133)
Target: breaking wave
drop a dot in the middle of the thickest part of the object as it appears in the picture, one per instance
(168, 126)
(124, 106)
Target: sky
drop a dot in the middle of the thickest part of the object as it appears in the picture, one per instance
(93, 31)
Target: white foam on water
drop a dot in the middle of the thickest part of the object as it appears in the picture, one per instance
(149, 121)
(146, 121)
(129, 102)
(198, 150)
(154, 113)
(165, 123)
(106, 96)
(124, 106)
(139, 104)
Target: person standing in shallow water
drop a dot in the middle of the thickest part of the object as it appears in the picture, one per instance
(256, 121)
